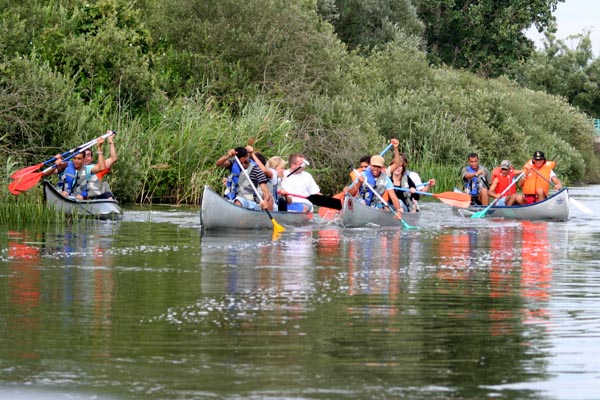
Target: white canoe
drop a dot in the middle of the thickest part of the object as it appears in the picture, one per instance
(218, 213)
(555, 207)
(100, 209)
(356, 214)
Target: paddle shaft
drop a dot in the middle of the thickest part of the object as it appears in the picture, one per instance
(387, 148)
(392, 209)
(485, 210)
(321, 200)
(27, 170)
(276, 226)
(80, 149)
(304, 163)
(542, 176)
(26, 182)
(416, 191)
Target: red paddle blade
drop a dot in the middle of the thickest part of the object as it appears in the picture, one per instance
(25, 183)
(25, 171)
(454, 199)
(12, 189)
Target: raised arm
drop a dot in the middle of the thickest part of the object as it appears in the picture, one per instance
(101, 162)
(223, 161)
(113, 151)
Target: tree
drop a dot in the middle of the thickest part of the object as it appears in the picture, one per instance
(572, 73)
(484, 36)
(368, 24)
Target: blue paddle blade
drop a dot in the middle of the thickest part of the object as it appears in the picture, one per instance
(479, 214)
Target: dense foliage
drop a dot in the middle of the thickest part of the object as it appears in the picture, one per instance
(182, 81)
(572, 73)
(484, 36)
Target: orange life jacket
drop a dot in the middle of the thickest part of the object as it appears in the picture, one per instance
(534, 181)
(504, 181)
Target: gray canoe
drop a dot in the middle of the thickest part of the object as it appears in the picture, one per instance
(555, 207)
(100, 209)
(218, 213)
(356, 214)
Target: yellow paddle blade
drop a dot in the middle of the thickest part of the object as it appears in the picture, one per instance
(276, 227)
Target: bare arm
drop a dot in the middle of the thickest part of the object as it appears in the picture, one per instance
(101, 162)
(395, 203)
(492, 191)
(268, 172)
(397, 161)
(223, 161)
(113, 151)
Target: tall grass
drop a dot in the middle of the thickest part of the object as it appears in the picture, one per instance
(27, 209)
(173, 160)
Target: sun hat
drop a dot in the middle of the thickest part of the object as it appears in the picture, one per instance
(377, 161)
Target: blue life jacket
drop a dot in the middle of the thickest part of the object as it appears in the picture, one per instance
(72, 181)
(377, 184)
(68, 178)
(232, 185)
(472, 185)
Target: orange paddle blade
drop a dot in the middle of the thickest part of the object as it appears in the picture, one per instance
(330, 213)
(455, 199)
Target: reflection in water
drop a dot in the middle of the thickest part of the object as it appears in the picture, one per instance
(24, 294)
(457, 309)
(84, 282)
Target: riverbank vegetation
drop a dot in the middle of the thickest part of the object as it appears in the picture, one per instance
(183, 81)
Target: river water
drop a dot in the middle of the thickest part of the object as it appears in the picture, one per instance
(152, 308)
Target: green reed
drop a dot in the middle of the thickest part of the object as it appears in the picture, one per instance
(446, 178)
(28, 208)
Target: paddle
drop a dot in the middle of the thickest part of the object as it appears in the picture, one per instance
(576, 203)
(454, 199)
(321, 200)
(24, 171)
(483, 213)
(276, 227)
(304, 164)
(27, 181)
(388, 205)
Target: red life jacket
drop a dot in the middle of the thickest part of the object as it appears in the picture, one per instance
(504, 181)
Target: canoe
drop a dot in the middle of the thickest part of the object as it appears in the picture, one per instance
(555, 207)
(356, 214)
(218, 213)
(100, 209)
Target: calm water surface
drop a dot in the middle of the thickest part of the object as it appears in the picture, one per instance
(151, 308)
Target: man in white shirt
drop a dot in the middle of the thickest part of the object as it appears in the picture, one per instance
(299, 183)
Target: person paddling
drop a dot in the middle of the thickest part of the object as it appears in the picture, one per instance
(375, 177)
(73, 174)
(502, 178)
(476, 180)
(539, 174)
(240, 190)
